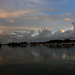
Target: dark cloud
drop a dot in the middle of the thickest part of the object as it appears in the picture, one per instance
(43, 35)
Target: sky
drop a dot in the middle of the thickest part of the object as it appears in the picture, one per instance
(33, 20)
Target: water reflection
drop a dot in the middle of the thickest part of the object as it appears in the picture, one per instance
(64, 56)
(37, 61)
(9, 55)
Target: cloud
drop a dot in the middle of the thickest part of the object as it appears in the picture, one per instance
(27, 35)
(15, 14)
(17, 35)
(47, 19)
(1, 31)
(69, 34)
(62, 31)
(36, 1)
(5, 36)
(20, 27)
(67, 19)
(52, 18)
(73, 25)
(44, 33)
(34, 15)
(59, 32)
(11, 21)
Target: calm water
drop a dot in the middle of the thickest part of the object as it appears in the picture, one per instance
(39, 60)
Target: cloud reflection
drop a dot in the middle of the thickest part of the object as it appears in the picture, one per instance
(18, 55)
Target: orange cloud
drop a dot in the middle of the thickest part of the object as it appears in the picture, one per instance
(20, 27)
(1, 31)
(62, 31)
(15, 14)
(67, 19)
(2, 27)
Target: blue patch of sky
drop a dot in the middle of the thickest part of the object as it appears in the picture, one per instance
(53, 13)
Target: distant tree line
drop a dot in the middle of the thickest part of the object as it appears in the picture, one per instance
(54, 41)
(17, 44)
(66, 41)
(61, 41)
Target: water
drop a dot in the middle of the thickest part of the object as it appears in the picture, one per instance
(40, 60)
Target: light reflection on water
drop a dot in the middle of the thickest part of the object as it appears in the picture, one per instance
(19, 55)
